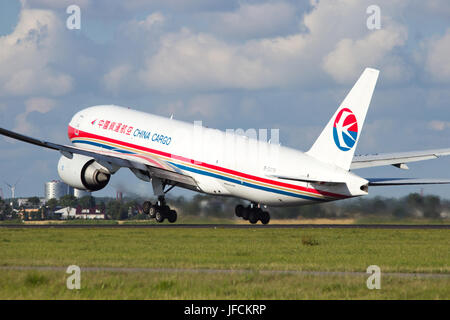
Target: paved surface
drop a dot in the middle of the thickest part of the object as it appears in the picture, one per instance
(229, 271)
(229, 226)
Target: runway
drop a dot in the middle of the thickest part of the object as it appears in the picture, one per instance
(227, 226)
(228, 271)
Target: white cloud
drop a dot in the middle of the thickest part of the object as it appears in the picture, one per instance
(37, 104)
(190, 60)
(197, 107)
(252, 20)
(176, 5)
(349, 57)
(438, 58)
(437, 125)
(28, 53)
(54, 4)
(207, 105)
(152, 20)
(343, 47)
(113, 80)
(153, 23)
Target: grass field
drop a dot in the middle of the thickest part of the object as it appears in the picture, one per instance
(176, 254)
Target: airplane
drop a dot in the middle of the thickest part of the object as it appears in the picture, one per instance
(171, 153)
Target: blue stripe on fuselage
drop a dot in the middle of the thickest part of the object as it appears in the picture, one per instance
(210, 174)
(101, 145)
(244, 183)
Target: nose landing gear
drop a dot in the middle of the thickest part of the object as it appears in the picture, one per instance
(253, 213)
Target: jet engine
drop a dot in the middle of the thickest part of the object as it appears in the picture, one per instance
(83, 172)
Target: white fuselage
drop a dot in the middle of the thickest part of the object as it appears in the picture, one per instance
(221, 163)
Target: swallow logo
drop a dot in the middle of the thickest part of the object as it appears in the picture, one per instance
(345, 130)
(93, 122)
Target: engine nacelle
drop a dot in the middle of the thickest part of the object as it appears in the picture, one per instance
(83, 172)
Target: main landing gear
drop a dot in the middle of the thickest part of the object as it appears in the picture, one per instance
(253, 213)
(159, 211)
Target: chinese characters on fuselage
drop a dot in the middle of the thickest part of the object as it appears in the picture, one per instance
(126, 129)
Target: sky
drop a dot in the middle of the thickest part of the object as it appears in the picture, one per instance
(283, 65)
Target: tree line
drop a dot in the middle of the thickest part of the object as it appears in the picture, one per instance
(413, 205)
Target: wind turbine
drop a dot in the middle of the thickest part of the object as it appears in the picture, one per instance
(13, 191)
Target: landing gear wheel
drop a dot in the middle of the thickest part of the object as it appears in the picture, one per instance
(246, 213)
(161, 211)
(172, 216)
(165, 209)
(152, 211)
(253, 213)
(159, 217)
(265, 217)
(146, 206)
(239, 210)
(253, 216)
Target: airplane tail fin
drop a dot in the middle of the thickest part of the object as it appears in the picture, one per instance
(337, 142)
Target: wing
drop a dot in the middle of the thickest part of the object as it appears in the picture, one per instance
(403, 182)
(396, 159)
(144, 167)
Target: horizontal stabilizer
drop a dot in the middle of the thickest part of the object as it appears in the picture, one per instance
(396, 159)
(375, 182)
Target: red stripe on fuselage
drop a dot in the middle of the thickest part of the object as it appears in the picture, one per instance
(84, 134)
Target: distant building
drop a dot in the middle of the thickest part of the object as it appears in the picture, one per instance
(81, 193)
(66, 213)
(29, 213)
(56, 189)
(78, 213)
(24, 202)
